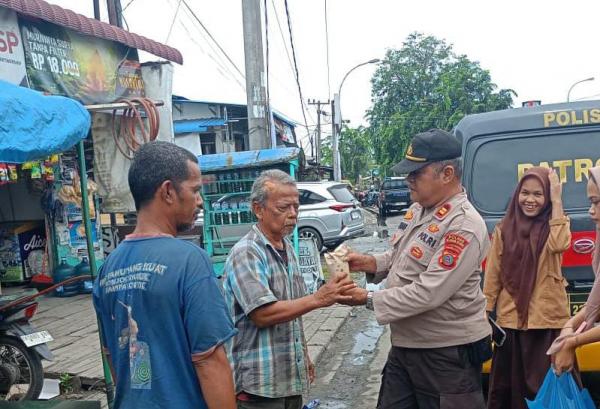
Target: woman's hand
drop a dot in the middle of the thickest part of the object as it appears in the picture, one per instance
(564, 360)
(555, 187)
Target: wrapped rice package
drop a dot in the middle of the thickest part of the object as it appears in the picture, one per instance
(337, 263)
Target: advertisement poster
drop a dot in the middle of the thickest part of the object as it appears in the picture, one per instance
(309, 259)
(12, 58)
(90, 70)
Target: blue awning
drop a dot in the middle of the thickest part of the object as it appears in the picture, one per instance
(34, 126)
(196, 125)
(246, 159)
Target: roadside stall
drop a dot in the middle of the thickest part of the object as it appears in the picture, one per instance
(228, 179)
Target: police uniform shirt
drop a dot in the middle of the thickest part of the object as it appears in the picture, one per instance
(433, 295)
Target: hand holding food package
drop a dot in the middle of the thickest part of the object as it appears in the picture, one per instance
(337, 262)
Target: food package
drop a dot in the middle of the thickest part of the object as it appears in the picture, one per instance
(337, 262)
(13, 175)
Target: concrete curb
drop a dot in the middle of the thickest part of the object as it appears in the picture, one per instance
(320, 337)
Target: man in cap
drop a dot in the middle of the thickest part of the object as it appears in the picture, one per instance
(432, 298)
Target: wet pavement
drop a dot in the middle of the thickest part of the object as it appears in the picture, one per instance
(348, 374)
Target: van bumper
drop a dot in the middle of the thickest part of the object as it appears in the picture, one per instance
(588, 359)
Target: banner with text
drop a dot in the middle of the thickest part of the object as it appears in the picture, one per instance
(91, 70)
(12, 59)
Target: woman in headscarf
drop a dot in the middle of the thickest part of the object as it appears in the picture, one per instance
(579, 330)
(524, 287)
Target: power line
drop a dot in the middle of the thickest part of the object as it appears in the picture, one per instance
(327, 47)
(172, 22)
(222, 67)
(212, 38)
(289, 22)
(128, 4)
(287, 51)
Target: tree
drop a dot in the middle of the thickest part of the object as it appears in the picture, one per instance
(426, 85)
(355, 152)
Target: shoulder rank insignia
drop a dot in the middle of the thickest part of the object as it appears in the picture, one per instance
(443, 211)
(409, 215)
(433, 228)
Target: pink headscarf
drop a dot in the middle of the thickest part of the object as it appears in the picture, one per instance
(592, 306)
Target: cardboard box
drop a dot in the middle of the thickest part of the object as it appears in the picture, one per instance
(22, 251)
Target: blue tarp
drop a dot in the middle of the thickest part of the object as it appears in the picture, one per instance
(196, 125)
(246, 159)
(34, 126)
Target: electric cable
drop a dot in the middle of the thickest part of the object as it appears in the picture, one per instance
(126, 137)
(289, 22)
(173, 22)
(212, 38)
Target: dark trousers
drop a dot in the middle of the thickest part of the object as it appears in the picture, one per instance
(437, 378)
(519, 367)
(257, 402)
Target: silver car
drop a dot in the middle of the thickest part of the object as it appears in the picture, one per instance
(329, 213)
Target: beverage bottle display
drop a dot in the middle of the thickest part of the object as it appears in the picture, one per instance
(63, 272)
(83, 269)
(218, 216)
(235, 215)
(226, 216)
(223, 188)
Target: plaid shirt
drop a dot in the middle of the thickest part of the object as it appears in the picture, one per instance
(269, 362)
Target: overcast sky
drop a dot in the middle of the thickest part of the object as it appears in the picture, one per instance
(538, 48)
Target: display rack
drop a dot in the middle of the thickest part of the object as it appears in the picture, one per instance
(228, 180)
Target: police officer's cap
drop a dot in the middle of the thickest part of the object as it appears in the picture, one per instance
(428, 147)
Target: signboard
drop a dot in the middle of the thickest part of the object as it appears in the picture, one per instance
(309, 258)
(91, 70)
(12, 59)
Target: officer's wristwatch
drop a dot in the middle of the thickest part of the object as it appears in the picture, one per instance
(369, 304)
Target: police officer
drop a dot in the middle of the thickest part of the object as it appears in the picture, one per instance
(432, 297)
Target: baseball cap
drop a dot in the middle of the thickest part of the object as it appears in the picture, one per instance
(434, 145)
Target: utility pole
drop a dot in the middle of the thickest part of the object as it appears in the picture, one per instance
(318, 142)
(336, 126)
(115, 12)
(258, 110)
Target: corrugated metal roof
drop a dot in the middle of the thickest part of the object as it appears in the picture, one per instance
(247, 159)
(76, 22)
(196, 125)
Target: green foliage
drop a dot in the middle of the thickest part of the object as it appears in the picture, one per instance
(425, 85)
(65, 382)
(356, 152)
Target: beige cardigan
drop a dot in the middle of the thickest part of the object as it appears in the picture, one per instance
(549, 306)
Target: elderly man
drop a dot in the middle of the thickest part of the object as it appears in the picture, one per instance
(432, 298)
(267, 298)
(162, 314)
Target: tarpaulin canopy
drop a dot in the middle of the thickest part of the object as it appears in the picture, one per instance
(246, 159)
(33, 125)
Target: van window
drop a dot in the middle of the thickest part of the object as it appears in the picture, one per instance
(341, 193)
(394, 184)
(495, 164)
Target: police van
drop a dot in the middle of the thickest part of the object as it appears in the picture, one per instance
(499, 146)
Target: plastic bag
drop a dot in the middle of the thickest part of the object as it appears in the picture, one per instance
(561, 392)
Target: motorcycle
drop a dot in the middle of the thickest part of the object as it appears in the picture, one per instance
(22, 349)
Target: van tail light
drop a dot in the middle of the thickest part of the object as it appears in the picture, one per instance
(30, 311)
(341, 207)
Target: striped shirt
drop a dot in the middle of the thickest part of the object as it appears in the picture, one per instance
(269, 362)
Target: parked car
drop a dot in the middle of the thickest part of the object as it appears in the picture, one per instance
(329, 213)
(393, 195)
